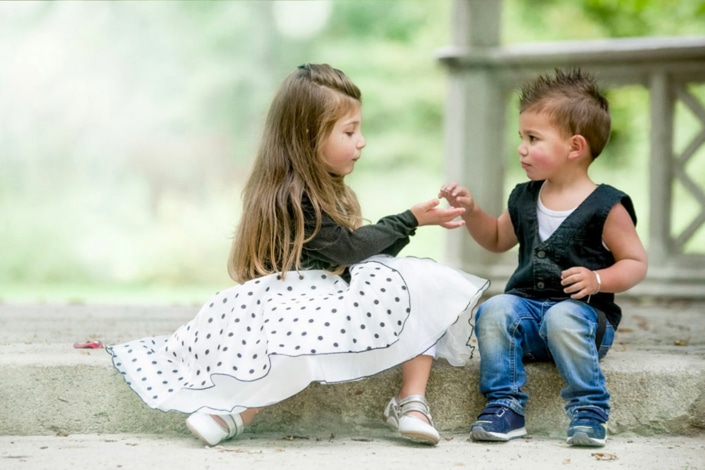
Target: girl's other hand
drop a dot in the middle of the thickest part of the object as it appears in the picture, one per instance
(428, 213)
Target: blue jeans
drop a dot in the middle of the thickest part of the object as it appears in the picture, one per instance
(512, 329)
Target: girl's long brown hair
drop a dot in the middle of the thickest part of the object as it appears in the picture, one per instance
(270, 236)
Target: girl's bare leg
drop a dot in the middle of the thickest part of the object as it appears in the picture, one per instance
(414, 377)
(249, 415)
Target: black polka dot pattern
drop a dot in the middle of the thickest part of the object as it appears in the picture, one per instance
(307, 313)
(265, 340)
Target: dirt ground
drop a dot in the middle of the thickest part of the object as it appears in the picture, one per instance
(662, 325)
(297, 453)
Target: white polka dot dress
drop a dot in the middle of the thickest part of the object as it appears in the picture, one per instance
(260, 342)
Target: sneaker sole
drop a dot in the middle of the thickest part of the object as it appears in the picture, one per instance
(583, 440)
(480, 434)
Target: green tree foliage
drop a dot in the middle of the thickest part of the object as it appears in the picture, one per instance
(646, 17)
(583, 19)
(128, 127)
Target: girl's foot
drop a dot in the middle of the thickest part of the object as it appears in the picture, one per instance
(213, 429)
(412, 418)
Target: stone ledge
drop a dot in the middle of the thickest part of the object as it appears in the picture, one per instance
(54, 389)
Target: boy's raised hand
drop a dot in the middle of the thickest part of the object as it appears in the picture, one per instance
(457, 196)
(428, 213)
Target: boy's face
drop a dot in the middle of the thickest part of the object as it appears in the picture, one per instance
(343, 146)
(543, 149)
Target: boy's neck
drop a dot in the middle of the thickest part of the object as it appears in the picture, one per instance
(566, 193)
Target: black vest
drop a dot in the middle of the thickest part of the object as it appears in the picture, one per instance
(576, 242)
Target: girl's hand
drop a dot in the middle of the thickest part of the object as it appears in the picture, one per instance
(580, 282)
(428, 213)
(457, 196)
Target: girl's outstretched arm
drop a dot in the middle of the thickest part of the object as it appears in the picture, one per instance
(337, 245)
(428, 213)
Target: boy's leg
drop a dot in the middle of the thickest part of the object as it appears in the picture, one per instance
(507, 327)
(570, 327)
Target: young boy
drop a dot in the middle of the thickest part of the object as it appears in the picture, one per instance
(577, 246)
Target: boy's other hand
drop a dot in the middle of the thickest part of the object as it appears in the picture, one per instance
(579, 282)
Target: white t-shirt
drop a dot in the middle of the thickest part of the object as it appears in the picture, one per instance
(549, 220)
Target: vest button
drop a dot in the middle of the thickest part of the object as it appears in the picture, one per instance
(541, 254)
(540, 285)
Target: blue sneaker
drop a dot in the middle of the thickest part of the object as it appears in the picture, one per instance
(497, 423)
(587, 429)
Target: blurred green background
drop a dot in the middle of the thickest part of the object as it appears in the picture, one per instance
(127, 128)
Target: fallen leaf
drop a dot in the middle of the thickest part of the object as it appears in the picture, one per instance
(235, 451)
(641, 322)
(291, 437)
(604, 456)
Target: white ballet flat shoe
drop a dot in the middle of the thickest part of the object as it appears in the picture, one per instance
(397, 416)
(211, 432)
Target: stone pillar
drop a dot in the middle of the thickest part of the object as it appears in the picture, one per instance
(661, 172)
(474, 128)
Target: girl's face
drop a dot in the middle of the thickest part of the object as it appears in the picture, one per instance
(343, 146)
(543, 148)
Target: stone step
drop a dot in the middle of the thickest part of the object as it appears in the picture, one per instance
(48, 387)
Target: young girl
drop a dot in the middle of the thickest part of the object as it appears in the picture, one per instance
(321, 296)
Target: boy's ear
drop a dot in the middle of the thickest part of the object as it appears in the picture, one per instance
(578, 147)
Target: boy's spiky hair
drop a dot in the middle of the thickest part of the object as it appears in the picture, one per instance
(574, 102)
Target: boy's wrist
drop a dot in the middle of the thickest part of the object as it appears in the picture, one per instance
(599, 282)
(469, 213)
